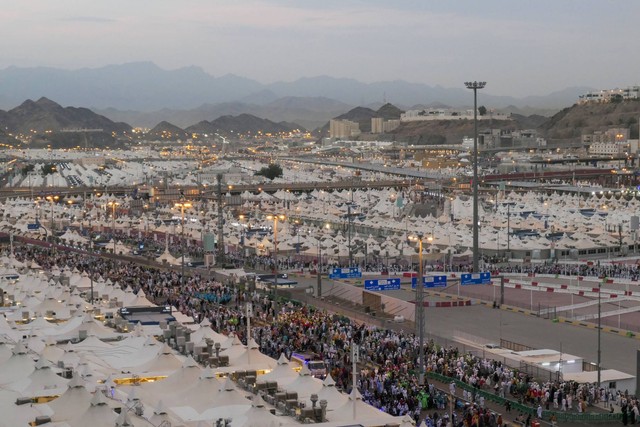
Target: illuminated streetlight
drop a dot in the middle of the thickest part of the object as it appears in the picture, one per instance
(419, 309)
(182, 206)
(275, 219)
(52, 200)
(475, 86)
(319, 266)
(113, 205)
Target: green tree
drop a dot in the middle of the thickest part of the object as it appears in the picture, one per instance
(25, 170)
(48, 168)
(272, 171)
(482, 110)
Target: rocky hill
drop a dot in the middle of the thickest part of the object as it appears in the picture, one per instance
(363, 116)
(389, 112)
(45, 115)
(165, 131)
(444, 131)
(242, 124)
(568, 124)
(307, 112)
(578, 120)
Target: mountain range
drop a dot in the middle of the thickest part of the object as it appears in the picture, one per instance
(48, 122)
(309, 113)
(143, 86)
(44, 115)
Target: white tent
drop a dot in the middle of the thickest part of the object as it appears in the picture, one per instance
(283, 373)
(41, 382)
(305, 384)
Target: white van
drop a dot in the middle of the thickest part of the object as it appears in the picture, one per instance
(316, 366)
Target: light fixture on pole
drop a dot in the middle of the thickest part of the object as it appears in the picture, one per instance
(52, 200)
(113, 205)
(275, 219)
(419, 309)
(604, 278)
(182, 205)
(508, 232)
(242, 238)
(476, 254)
(349, 231)
(319, 266)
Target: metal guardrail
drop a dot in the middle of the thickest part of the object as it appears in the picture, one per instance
(516, 406)
(514, 346)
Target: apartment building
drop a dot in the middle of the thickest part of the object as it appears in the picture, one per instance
(343, 129)
(606, 95)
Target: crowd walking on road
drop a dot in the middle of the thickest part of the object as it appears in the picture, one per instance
(387, 375)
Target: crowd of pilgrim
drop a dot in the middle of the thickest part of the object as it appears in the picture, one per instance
(387, 370)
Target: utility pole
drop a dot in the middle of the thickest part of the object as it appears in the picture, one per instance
(355, 356)
(419, 315)
(476, 250)
(508, 232)
(220, 248)
(319, 271)
(349, 233)
(604, 278)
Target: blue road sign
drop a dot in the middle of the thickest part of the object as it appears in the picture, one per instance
(346, 273)
(33, 226)
(483, 278)
(431, 281)
(382, 285)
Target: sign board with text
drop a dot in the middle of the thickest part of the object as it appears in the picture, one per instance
(439, 281)
(382, 284)
(346, 273)
(483, 278)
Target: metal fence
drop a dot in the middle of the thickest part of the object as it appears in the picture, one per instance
(514, 346)
(586, 417)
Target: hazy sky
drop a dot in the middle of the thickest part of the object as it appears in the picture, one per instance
(518, 47)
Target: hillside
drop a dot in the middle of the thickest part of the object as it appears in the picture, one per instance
(242, 124)
(578, 120)
(45, 122)
(309, 113)
(166, 131)
(445, 131)
(389, 112)
(363, 116)
(45, 115)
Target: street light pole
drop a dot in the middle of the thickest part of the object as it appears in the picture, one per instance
(319, 266)
(182, 205)
(275, 255)
(476, 254)
(349, 232)
(419, 312)
(52, 200)
(599, 329)
(319, 271)
(113, 205)
(508, 232)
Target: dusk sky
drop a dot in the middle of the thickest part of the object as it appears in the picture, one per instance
(519, 47)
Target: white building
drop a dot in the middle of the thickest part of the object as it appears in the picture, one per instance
(377, 125)
(448, 114)
(390, 125)
(605, 95)
(607, 148)
(339, 129)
